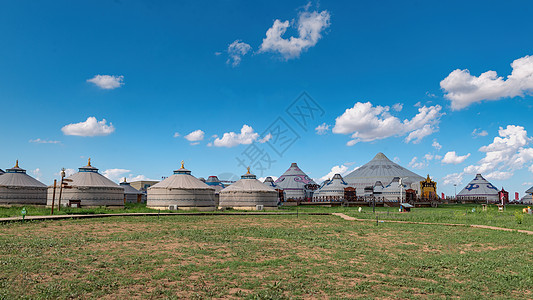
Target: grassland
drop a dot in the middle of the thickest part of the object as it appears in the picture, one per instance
(260, 257)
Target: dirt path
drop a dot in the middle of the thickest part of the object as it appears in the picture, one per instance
(348, 218)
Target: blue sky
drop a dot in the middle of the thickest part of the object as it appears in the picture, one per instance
(386, 61)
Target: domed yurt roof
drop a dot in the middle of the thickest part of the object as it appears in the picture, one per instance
(334, 187)
(128, 189)
(530, 190)
(1, 172)
(17, 177)
(479, 187)
(293, 182)
(215, 183)
(270, 182)
(247, 193)
(380, 168)
(182, 179)
(17, 187)
(181, 190)
(88, 176)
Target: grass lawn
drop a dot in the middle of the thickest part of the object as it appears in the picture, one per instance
(260, 257)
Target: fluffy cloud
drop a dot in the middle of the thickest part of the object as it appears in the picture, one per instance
(322, 129)
(479, 132)
(455, 178)
(415, 164)
(107, 82)
(499, 175)
(246, 137)
(263, 178)
(91, 127)
(37, 173)
(195, 136)
(452, 158)
(310, 26)
(342, 169)
(236, 51)
(430, 156)
(176, 134)
(507, 153)
(39, 141)
(115, 174)
(366, 123)
(436, 145)
(397, 107)
(463, 89)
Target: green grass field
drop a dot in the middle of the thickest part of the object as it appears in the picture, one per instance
(260, 257)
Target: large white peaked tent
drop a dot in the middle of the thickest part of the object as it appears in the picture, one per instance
(479, 187)
(248, 193)
(293, 183)
(17, 187)
(380, 168)
(90, 189)
(181, 191)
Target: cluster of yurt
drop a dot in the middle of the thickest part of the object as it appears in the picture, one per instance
(17, 187)
(249, 193)
(88, 188)
(382, 177)
(479, 189)
(181, 191)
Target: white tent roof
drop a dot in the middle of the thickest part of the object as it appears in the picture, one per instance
(479, 187)
(215, 183)
(530, 190)
(270, 182)
(182, 179)
(380, 168)
(293, 179)
(17, 177)
(248, 183)
(128, 189)
(88, 176)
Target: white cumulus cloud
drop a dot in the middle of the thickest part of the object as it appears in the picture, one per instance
(236, 51)
(464, 89)
(40, 141)
(310, 26)
(365, 123)
(454, 178)
(479, 132)
(322, 129)
(452, 158)
(115, 174)
(245, 137)
(107, 82)
(415, 164)
(91, 127)
(436, 145)
(340, 169)
(506, 153)
(195, 136)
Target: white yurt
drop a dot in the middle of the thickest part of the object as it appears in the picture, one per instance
(215, 183)
(333, 190)
(394, 191)
(17, 187)
(181, 191)
(479, 188)
(293, 183)
(249, 193)
(380, 168)
(88, 189)
(131, 194)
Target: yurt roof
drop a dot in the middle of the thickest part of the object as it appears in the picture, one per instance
(293, 179)
(479, 186)
(335, 184)
(17, 176)
(214, 181)
(182, 179)
(128, 189)
(270, 182)
(530, 190)
(248, 183)
(88, 176)
(380, 168)
(1, 172)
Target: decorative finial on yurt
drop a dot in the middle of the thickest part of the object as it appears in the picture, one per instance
(182, 165)
(248, 171)
(124, 180)
(89, 162)
(16, 164)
